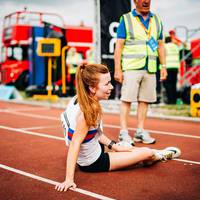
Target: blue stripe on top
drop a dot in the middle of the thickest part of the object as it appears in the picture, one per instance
(90, 135)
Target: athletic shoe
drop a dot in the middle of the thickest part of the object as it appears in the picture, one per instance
(167, 153)
(125, 139)
(176, 151)
(143, 136)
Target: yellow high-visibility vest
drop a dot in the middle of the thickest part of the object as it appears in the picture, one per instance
(172, 56)
(136, 50)
(73, 61)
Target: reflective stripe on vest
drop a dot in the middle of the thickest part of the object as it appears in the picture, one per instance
(136, 50)
(72, 69)
(172, 56)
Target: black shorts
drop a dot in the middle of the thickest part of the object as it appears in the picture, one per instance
(102, 164)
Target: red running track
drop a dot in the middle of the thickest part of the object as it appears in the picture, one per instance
(33, 154)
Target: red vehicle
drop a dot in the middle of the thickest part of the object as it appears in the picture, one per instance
(20, 65)
(80, 37)
(189, 73)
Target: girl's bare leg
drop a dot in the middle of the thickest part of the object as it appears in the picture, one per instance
(119, 160)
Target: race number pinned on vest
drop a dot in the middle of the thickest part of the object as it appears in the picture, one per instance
(152, 44)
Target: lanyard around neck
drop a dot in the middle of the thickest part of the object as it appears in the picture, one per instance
(147, 31)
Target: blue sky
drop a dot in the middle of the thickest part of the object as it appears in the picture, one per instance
(172, 12)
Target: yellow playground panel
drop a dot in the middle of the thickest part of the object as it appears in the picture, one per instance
(195, 102)
(49, 47)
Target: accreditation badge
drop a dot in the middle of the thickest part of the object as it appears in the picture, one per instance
(153, 44)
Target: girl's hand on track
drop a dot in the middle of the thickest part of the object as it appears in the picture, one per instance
(64, 186)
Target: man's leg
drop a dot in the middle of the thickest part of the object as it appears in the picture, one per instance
(170, 86)
(147, 93)
(124, 114)
(129, 93)
(174, 82)
(141, 135)
(141, 114)
(124, 137)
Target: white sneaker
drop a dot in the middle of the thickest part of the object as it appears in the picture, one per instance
(125, 139)
(176, 151)
(167, 153)
(143, 136)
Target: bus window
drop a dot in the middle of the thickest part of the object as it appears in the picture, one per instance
(10, 53)
(3, 54)
(17, 53)
(29, 19)
(10, 21)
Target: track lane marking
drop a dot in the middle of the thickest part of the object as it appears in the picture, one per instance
(49, 181)
(187, 161)
(38, 127)
(32, 133)
(60, 138)
(109, 125)
(33, 115)
(23, 109)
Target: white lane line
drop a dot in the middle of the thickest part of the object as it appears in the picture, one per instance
(34, 115)
(60, 138)
(38, 127)
(157, 132)
(187, 161)
(46, 180)
(108, 125)
(31, 133)
(23, 109)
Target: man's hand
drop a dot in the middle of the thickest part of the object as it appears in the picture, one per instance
(163, 74)
(118, 76)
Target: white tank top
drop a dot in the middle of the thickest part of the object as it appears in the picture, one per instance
(90, 149)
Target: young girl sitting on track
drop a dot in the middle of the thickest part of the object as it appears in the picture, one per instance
(84, 134)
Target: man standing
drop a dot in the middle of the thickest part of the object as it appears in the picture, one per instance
(139, 43)
(73, 59)
(172, 65)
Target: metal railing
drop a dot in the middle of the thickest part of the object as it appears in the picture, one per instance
(194, 68)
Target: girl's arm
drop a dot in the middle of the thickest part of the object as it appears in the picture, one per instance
(74, 147)
(115, 147)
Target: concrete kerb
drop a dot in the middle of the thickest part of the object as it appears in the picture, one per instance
(109, 106)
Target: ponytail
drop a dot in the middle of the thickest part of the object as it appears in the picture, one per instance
(88, 76)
